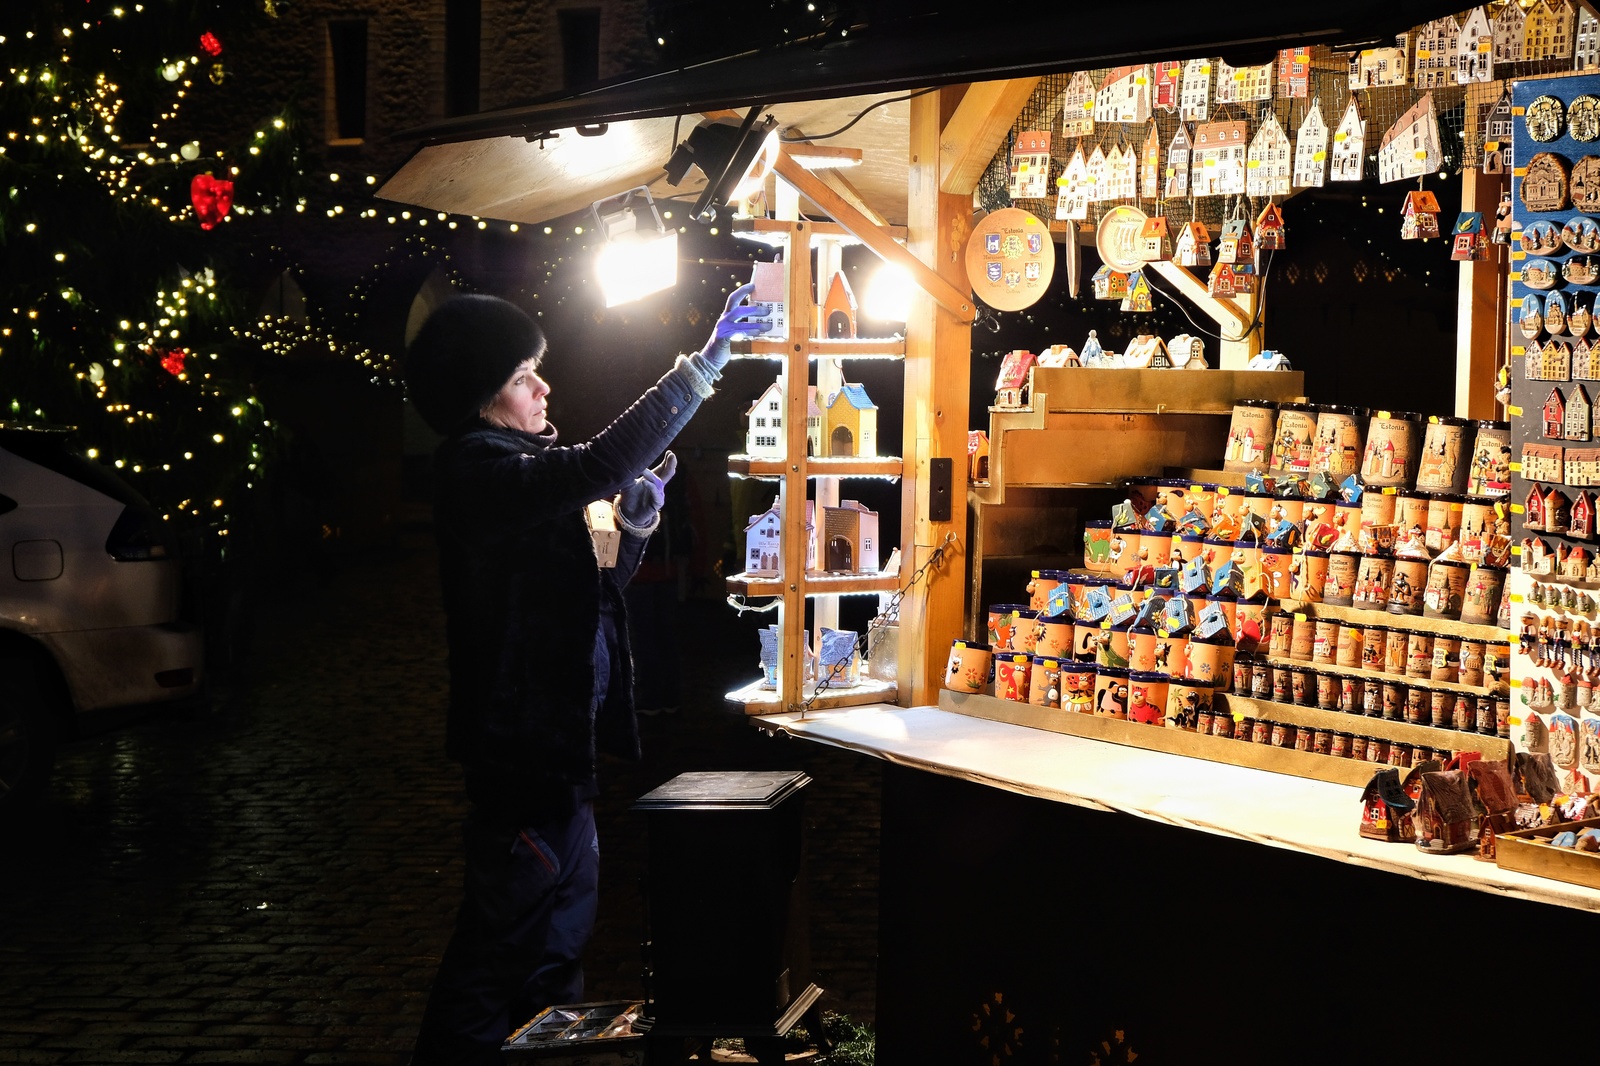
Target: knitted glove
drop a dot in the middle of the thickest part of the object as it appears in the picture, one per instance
(638, 504)
(736, 321)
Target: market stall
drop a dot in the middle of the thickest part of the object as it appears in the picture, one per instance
(1268, 631)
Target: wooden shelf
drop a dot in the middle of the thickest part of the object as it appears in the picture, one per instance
(772, 232)
(822, 348)
(1411, 622)
(815, 584)
(890, 466)
(1384, 728)
(757, 699)
(1091, 390)
(1379, 675)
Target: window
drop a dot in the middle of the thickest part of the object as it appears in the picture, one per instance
(463, 39)
(772, 405)
(761, 423)
(347, 80)
(777, 423)
(580, 46)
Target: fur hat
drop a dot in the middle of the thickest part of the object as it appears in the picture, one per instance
(463, 354)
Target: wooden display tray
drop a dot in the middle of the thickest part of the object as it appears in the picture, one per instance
(1226, 749)
(756, 699)
(1518, 850)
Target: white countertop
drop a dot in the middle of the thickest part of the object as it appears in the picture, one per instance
(1315, 817)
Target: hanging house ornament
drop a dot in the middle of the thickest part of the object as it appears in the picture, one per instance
(1155, 242)
(1150, 164)
(1377, 68)
(1475, 48)
(1411, 147)
(1311, 149)
(1581, 234)
(1238, 85)
(1238, 243)
(1095, 171)
(1072, 202)
(1349, 145)
(1077, 106)
(1583, 118)
(1269, 232)
(1137, 297)
(1218, 165)
(1499, 126)
(1547, 33)
(1124, 96)
(1267, 162)
(1419, 216)
(1436, 53)
(1030, 166)
(1194, 98)
(1544, 183)
(1168, 85)
(1193, 247)
(1294, 72)
(1469, 239)
(1179, 151)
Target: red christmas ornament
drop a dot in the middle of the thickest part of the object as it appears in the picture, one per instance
(172, 362)
(209, 42)
(212, 199)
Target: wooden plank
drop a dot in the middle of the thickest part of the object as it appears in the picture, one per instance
(976, 130)
(1160, 391)
(797, 376)
(958, 301)
(822, 156)
(1234, 316)
(937, 384)
(758, 700)
(839, 184)
(1480, 308)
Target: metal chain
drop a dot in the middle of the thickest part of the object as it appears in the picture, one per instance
(891, 610)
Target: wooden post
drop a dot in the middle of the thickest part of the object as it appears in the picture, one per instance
(797, 375)
(1480, 307)
(937, 372)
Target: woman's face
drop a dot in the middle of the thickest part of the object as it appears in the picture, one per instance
(520, 403)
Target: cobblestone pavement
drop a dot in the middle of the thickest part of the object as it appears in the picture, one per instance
(273, 881)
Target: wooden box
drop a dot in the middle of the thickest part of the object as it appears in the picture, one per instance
(1523, 850)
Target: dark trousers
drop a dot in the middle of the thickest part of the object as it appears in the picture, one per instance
(527, 911)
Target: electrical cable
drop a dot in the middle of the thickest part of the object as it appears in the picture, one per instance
(864, 112)
(1255, 320)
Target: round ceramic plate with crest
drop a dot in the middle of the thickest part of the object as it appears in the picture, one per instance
(1540, 274)
(1580, 270)
(1545, 119)
(1583, 118)
(1581, 234)
(1540, 237)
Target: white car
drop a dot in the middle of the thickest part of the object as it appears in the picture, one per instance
(90, 587)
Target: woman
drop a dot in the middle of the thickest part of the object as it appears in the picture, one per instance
(541, 674)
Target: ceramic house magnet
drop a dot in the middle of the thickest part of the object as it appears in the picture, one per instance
(1576, 424)
(1179, 150)
(1124, 96)
(764, 438)
(1238, 85)
(1349, 145)
(1030, 166)
(1077, 106)
(1194, 98)
(1475, 48)
(1555, 414)
(1267, 161)
(1419, 216)
(1435, 66)
(1193, 247)
(1150, 164)
(1238, 242)
(1294, 72)
(1311, 149)
(1411, 147)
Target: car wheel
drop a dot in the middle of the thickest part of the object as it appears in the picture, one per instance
(27, 733)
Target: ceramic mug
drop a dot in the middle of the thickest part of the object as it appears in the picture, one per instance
(968, 668)
(1044, 681)
(1011, 672)
(1147, 697)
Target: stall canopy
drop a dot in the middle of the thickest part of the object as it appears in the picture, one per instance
(556, 156)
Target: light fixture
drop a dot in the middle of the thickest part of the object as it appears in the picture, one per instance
(734, 156)
(639, 255)
(888, 294)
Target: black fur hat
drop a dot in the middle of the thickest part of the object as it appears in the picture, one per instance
(463, 354)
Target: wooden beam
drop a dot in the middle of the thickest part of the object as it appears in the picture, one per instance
(976, 130)
(958, 301)
(841, 185)
(1233, 316)
(1480, 311)
(937, 383)
(822, 156)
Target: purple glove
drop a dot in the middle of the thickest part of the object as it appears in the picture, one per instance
(736, 321)
(639, 502)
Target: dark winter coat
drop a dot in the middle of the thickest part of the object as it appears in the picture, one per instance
(523, 591)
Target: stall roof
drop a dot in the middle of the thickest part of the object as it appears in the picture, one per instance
(527, 164)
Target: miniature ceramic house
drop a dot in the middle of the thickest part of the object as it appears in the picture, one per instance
(771, 640)
(1058, 355)
(1509, 24)
(850, 423)
(1269, 161)
(1122, 173)
(1311, 149)
(1077, 106)
(1155, 242)
(1533, 509)
(1109, 284)
(1585, 363)
(813, 422)
(1374, 68)
(1168, 85)
(1475, 48)
(1138, 298)
(764, 437)
(1497, 133)
(1124, 96)
(1179, 150)
(1095, 175)
(1294, 72)
(1419, 217)
(1237, 244)
(839, 657)
(1577, 423)
(850, 538)
(1557, 511)
(1349, 145)
(839, 309)
(1269, 230)
(1469, 240)
(1437, 42)
(1555, 414)
(1582, 522)
(1237, 85)
(1012, 384)
(1222, 280)
(1543, 462)
(1187, 353)
(1150, 164)
(763, 543)
(1193, 247)
(1030, 165)
(1194, 98)
(1244, 276)
(1384, 807)
(1547, 33)
(1217, 167)
(1585, 41)
(978, 454)
(1148, 351)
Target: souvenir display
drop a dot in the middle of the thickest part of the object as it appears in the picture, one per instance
(1545, 118)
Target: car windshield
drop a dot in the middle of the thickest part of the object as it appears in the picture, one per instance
(58, 451)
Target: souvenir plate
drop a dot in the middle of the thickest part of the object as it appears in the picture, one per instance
(1555, 313)
(1545, 119)
(1010, 259)
(1581, 270)
(1540, 274)
(1544, 183)
(1117, 238)
(1541, 237)
(1580, 318)
(1530, 318)
(1583, 118)
(1581, 234)
(1586, 184)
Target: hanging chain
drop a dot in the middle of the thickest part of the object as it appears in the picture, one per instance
(867, 643)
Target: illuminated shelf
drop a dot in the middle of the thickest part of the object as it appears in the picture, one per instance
(758, 700)
(889, 466)
(815, 584)
(775, 233)
(823, 348)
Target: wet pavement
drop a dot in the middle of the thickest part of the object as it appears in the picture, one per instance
(273, 881)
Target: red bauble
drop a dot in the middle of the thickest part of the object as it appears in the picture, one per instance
(212, 199)
(209, 42)
(172, 362)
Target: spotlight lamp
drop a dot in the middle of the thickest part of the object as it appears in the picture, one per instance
(639, 254)
(735, 157)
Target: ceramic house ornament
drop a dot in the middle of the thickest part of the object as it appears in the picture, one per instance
(1547, 32)
(763, 541)
(1223, 281)
(1419, 216)
(1030, 166)
(1311, 149)
(1150, 164)
(1073, 201)
(1269, 229)
(1218, 165)
(1012, 384)
(1469, 238)
(764, 436)
(1376, 68)
(1436, 44)
(1138, 297)
(838, 310)
(1193, 246)
(849, 538)
(850, 424)
(1583, 516)
(1475, 48)
(1108, 285)
(1179, 150)
(1507, 29)
(1168, 86)
(1155, 242)
(1555, 414)
(1411, 148)
(1238, 243)
(1268, 164)
(1077, 106)
(1194, 97)
(1238, 85)
(1576, 425)
(1349, 145)
(1294, 72)
(1498, 129)
(1124, 96)
(1586, 41)
(1123, 173)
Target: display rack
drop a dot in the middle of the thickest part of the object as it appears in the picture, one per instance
(797, 240)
